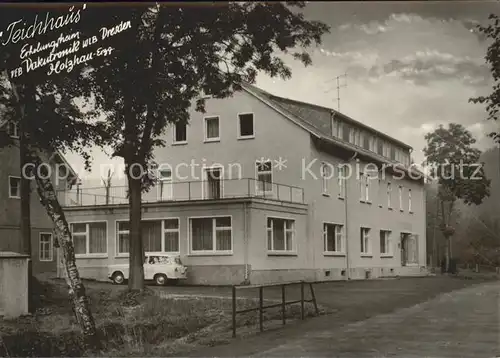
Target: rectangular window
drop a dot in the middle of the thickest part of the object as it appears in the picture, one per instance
(326, 175)
(180, 133)
(364, 188)
(13, 129)
(264, 177)
(280, 234)
(89, 238)
(389, 192)
(246, 125)
(365, 240)
(171, 234)
(335, 127)
(341, 181)
(387, 150)
(157, 236)
(212, 129)
(385, 242)
(393, 152)
(346, 130)
(409, 201)
(366, 141)
(45, 250)
(400, 198)
(333, 238)
(380, 146)
(211, 235)
(165, 185)
(14, 187)
(338, 132)
(214, 183)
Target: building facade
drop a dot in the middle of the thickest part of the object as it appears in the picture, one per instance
(265, 189)
(42, 242)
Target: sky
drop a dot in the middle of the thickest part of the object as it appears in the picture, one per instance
(410, 66)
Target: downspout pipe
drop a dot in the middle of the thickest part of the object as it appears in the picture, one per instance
(346, 201)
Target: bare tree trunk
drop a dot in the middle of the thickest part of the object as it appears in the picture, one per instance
(25, 196)
(77, 292)
(136, 257)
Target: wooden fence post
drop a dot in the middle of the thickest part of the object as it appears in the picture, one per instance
(234, 311)
(283, 300)
(302, 298)
(261, 310)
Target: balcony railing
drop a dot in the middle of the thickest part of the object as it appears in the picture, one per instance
(185, 191)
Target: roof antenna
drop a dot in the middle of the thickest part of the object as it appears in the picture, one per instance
(339, 86)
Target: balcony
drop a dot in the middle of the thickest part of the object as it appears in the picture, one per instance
(185, 191)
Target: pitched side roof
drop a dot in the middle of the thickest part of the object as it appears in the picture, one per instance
(59, 157)
(316, 116)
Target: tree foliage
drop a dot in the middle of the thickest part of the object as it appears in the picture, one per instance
(492, 101)
(171, 55)
(456, 165)
(49, 112)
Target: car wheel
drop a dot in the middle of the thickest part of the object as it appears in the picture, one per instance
(118, 278)
(161, 280)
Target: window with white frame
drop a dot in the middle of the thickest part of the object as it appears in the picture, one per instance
(180, 132)
(123, 237)
(409, 201)
(211, 235)
(385, 242)
(380, 193)
(333, 237)
(365, 240)
(171, 235)
(400, 198)
(45, 250)
(157, 236)
(364, 188)
(165, 187)
(341, 181)
(389, 193)
(280, 234)
(264, 176)
(326, 175)
(212, 128)
(89, 238)
(380, 146)
(13, 129)
(14, 187)
(246, 125)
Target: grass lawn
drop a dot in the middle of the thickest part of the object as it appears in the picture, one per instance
(130, 324)
(173, 321)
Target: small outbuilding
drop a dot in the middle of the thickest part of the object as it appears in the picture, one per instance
(13, 284)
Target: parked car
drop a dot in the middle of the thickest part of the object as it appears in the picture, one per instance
(162, 269)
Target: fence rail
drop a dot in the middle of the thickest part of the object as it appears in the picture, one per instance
(187, 190)
(282, 304)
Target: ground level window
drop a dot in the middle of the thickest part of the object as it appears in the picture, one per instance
(280, 234)
(89, 238)
(365, 240)
(213, 234)
(46, 250)
(157, 236)
(333, 237)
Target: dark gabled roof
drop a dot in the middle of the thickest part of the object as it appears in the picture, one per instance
(317, 121)
(318, 117)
